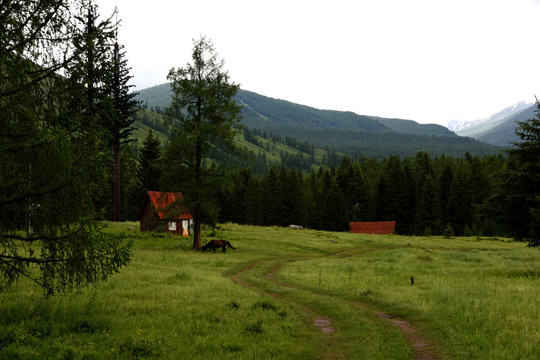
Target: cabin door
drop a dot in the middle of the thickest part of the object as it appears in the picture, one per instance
(185, 227)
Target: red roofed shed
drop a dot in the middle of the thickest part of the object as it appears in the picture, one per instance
(161, 213)
(379, 227)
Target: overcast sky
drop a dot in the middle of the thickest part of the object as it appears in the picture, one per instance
(426, 60)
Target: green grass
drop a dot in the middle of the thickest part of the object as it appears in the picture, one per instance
(473, 299)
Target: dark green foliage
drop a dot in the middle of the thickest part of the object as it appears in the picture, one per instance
(372, 190)
(412, 127)
(459, 209)
(91, 71)
(148, 174)
(332, 205)
(422, 195)
(426, 208)
(239, 209)
(254, 206)
(288, 114)
(272, 198)
(521, 183)
(255, 327)
(392, 193)
(448, 231)
(150, 164)
(408, 200)
(202, 101)
(53, 152)
(129, 164)
(345, 132)
(381, 144)
(122, 100)
(119, 126)
(152, 120)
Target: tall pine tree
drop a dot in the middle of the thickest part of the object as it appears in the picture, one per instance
(149, 170)
(120, 124)
(203, 101)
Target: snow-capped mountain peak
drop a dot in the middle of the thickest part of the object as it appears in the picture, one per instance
(460, 126)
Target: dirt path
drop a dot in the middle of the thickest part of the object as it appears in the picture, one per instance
(424, 349)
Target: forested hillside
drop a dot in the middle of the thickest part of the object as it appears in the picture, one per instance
(260, 149)
(346, 132)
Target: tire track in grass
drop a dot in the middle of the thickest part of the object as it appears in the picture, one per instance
(424, 348)
(319, 321)
(236, 276)
(324, 323)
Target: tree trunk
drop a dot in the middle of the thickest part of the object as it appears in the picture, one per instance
(117, 209)
(197, 203)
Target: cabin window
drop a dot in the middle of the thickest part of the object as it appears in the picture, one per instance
(172, 225)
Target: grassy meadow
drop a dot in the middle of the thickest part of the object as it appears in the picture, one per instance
(472, 299)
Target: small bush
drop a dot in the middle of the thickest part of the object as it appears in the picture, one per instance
(264, 305)
(137, 349)
(448, 231)
(233, 305)
(232, 348)
(86, 327)
(255, 327)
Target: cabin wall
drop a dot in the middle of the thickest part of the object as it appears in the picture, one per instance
(150, 221)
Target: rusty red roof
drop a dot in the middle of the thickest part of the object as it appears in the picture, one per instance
(378, 227)
(163, 203)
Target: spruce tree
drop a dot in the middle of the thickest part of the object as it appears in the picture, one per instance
(149, 170)
(271, 195)
(520, 199)
(444, 188)
(254, 206)
(120, 123)
(295, 198)
(460, 209)
(334, 216)
(426, 218)
(408, 200)
(356, 197)
(240, 196)
(392, 203)
(312, 201)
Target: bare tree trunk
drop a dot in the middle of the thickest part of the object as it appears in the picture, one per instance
(197, 230)
(197, 203)
(117, 209)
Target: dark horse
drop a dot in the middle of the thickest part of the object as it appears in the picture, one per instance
(213, 244)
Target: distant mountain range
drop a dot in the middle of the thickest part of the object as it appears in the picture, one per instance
(498, 129)
(339, 130)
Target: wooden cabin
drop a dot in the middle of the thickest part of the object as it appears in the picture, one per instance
(378, 227)
(162, 211)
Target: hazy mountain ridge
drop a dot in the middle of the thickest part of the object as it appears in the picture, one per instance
(339, 130)
(265, 111)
